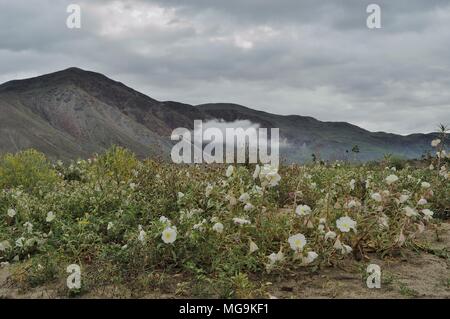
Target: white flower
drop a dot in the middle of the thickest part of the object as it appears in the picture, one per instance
(28, 226)
(19, 242)
(4, 245)
(269, 175)
(275, 257)
(132, 186)
(169, 235)
(256, 172)
(218, 227)
(110, 226)
(345, 224)
(425, 185)
(50, 217)
(164, 220)
(410, 211)
(310, 257)
(435, 142)
(229, 171)
(241, 221)
(303, 210)
(422, 202)
(248, 207)
(208, 190)
(231, 199)
(180, 195)
(141, 236)
(352, 184)
(199, 226)
(337, 244)
(376, 197)
(383, 221)
(403, 198)
(346, 249)
(321, 228)
(431, 167)
(297, 242)
(252, 247)
(428, 214)
(330, 235)
(353, 203)
(441, 154)
(391, 179)
(11, 212)
(244, 198)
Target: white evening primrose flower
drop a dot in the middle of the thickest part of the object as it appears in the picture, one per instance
(303, 210)
(269, 175)
(180, 195)
(218, 227)
(297, 242)
(346, 249)
(310, 257)
(391, 179)
(321, 228)
(410, 211)
(428, 214)
(353, 203)
(229, 171)
(344, 224)
(164, 220)
(29, 227)
(169, 235)
(110, 226)
(276, 257)
(241, 221)
(231, 199)
(435, 142)
(50, 217)
(256, 171)
(352, 184)
(422, 202)
(11, 212)
(141, 236)
(244, 198)
(425, 185)
(252, 247)
(208, 190)
(19, 242)
(376, 197)
(5, 245)
(337, 244)
(441, 154)
(248, 207)
(403, 198)
(330, 235)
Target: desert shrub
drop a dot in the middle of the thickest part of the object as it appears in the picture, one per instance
(29, 169)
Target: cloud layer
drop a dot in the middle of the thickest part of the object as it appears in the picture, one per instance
(314, 58)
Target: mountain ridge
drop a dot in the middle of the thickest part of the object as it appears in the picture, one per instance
(74, 113)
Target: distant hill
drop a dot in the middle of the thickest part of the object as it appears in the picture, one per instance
(75, 113)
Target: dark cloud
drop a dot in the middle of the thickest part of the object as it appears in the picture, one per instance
(306, 57)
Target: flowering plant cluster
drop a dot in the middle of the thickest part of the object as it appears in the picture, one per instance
(123, 219)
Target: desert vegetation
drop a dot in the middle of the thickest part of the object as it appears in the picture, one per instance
(214, 230)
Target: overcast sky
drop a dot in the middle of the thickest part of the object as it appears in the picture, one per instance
(306, 57)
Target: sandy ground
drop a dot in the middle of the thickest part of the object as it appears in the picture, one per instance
(415, 274)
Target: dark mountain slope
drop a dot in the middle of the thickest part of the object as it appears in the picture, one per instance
(74, 113)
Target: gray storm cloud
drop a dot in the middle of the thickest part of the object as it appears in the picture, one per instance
(314, 58)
